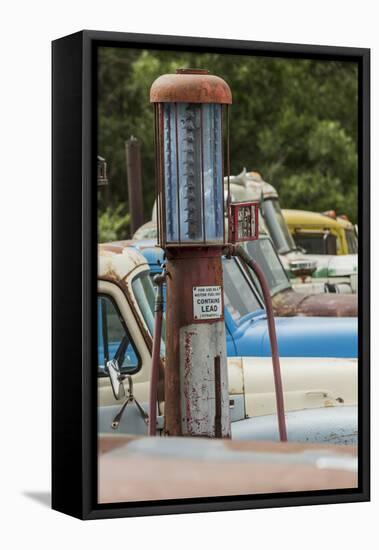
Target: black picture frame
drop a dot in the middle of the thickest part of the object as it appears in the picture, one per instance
(74, 437)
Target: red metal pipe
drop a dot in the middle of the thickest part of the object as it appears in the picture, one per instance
(241, 253)
(156, 352)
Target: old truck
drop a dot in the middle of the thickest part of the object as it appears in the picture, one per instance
(320, 393)
(286, 301)
(310, 273)
(321, 233)
(246, 319)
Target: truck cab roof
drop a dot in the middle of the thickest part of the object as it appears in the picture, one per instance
(116, 260)
(314, 219)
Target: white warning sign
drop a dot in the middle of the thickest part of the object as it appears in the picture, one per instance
(207, 302)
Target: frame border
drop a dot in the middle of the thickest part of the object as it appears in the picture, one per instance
(74, 206)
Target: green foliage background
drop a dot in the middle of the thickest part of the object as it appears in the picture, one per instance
(292, 120)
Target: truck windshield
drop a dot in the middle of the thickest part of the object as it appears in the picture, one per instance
(239, 297)
(264, 254)
(277, 226)
(144, 294)
(317, 243)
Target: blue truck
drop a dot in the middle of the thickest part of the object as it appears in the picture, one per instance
(246, 319)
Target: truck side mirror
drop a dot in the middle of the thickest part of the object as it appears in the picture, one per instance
(116, 379)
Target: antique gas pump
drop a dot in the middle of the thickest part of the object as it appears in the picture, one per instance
(190, 117)
(192, 143)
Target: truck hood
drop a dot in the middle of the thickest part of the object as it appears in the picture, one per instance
(327, 265)
(288, 303)
(335, 266)
(299, 337)
(314, 383)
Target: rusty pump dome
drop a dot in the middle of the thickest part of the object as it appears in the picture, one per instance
(190, 86)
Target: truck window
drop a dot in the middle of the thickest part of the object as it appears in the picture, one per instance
(239, 297)
(317, 243)
(113, 332)
(144, 294)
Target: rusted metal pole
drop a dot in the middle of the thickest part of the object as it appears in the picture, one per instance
(155, 354)
(196, 378)
(133, 171)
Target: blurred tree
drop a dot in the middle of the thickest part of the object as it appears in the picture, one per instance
(113, 224)
(293, 120)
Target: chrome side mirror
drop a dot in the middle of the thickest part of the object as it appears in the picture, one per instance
(116, 379)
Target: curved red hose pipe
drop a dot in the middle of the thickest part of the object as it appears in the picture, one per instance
(241, 253)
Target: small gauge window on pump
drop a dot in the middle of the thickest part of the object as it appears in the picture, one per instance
(244, 221)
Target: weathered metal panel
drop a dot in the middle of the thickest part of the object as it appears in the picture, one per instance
(131, 421)
(186, 268)
(309, 383)
(118, 261)
(200, 344)
(329, 425)
(194, 467)
(289, 303)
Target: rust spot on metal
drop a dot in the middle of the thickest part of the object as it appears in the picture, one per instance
(107, 443)
(290, 303)
(130, 474)
(111, 248)
(188, 268)
(234, 387)
(190, 87)
(115, 246)
(188, 353)
(235, 363)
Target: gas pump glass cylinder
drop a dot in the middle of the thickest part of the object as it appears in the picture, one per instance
(193, 180)
(189, 138)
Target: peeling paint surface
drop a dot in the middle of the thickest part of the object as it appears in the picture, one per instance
(117, 261)
(290, 303)
(199, 344)
(194, 467)
(328, 425)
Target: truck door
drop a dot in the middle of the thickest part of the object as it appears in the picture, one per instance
(117, 325)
